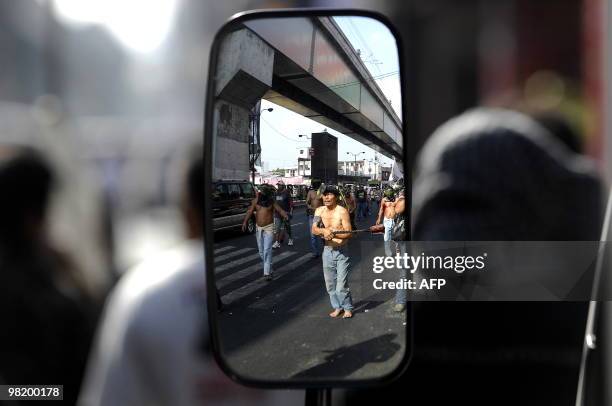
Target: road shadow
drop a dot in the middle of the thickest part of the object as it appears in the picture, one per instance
(346, 360)
(363, 305)
(227, 234)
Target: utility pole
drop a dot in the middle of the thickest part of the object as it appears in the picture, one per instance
(254, 142)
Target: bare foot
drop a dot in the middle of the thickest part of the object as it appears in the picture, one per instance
(335, 313)
(347, 314)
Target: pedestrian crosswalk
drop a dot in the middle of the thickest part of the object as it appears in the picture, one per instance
(256, 267)
(219, 258)
(239, 275)
(220, 250)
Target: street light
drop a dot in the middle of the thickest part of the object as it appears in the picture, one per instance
(355, 155)
(255, 153)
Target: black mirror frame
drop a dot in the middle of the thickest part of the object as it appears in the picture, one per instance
(409, 127)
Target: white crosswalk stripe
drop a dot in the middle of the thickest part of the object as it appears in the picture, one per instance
(223, 249)
(219, 258)
(260, 282)
(258, 267)
(237, 262)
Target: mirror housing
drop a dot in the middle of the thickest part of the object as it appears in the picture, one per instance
(219, 85)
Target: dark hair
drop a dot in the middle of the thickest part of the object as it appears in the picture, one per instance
(331, 189)
(26, 181)
(195, 183)
(561, 129)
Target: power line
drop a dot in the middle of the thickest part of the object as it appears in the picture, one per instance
(374, 78)
(278, 132)
(363, 42)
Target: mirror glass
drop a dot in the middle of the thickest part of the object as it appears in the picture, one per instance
(307, 128)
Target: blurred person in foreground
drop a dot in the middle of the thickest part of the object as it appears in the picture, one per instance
(498, 175)
(152, 344)
(46, 315)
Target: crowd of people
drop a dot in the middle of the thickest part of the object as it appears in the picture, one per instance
(151, 342)
(331, 223)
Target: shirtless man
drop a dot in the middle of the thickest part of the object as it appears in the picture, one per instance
(351, 205)
(400, 294)
(264, 206)
(387, 209)
(314, 200)
(336, 263)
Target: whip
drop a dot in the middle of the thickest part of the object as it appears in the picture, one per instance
(379, 228)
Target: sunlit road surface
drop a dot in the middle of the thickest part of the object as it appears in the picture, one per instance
(281, 328)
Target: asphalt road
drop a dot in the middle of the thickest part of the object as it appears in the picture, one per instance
(280, 329)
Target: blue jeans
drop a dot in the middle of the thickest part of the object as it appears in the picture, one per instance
(362, 209)
(336, 270)
(316, 243)
(282, 224)
(265, 239)
(401, 294)
(388, 223)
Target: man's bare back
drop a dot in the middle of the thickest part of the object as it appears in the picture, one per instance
(350, 202)
(313, 200)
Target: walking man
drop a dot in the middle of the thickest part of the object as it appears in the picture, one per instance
(400, 294)
(351, 206)
(314, 200)
(387, 209)
(361, 203)
(327, 219)
(285, 201)
(264, 207)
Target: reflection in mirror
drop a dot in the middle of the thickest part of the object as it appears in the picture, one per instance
(307, 148)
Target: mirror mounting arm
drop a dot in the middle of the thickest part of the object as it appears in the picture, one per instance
(318, 397)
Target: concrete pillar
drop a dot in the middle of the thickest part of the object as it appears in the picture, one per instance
(243, 76)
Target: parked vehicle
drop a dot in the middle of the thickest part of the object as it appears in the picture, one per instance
(231, 200)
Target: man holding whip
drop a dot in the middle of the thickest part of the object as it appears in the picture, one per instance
(328, 220)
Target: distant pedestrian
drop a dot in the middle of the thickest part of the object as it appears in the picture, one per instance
(362, 202)
(351, 206)
(386, 215)
(400, 248)
(285, 201)
(264, 207)
(314, 200)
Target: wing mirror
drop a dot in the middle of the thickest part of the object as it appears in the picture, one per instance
(303, 133)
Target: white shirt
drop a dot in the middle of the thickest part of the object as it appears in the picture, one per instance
(149, 344)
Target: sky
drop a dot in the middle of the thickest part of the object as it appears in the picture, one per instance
(279, 129)
(119, 17)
